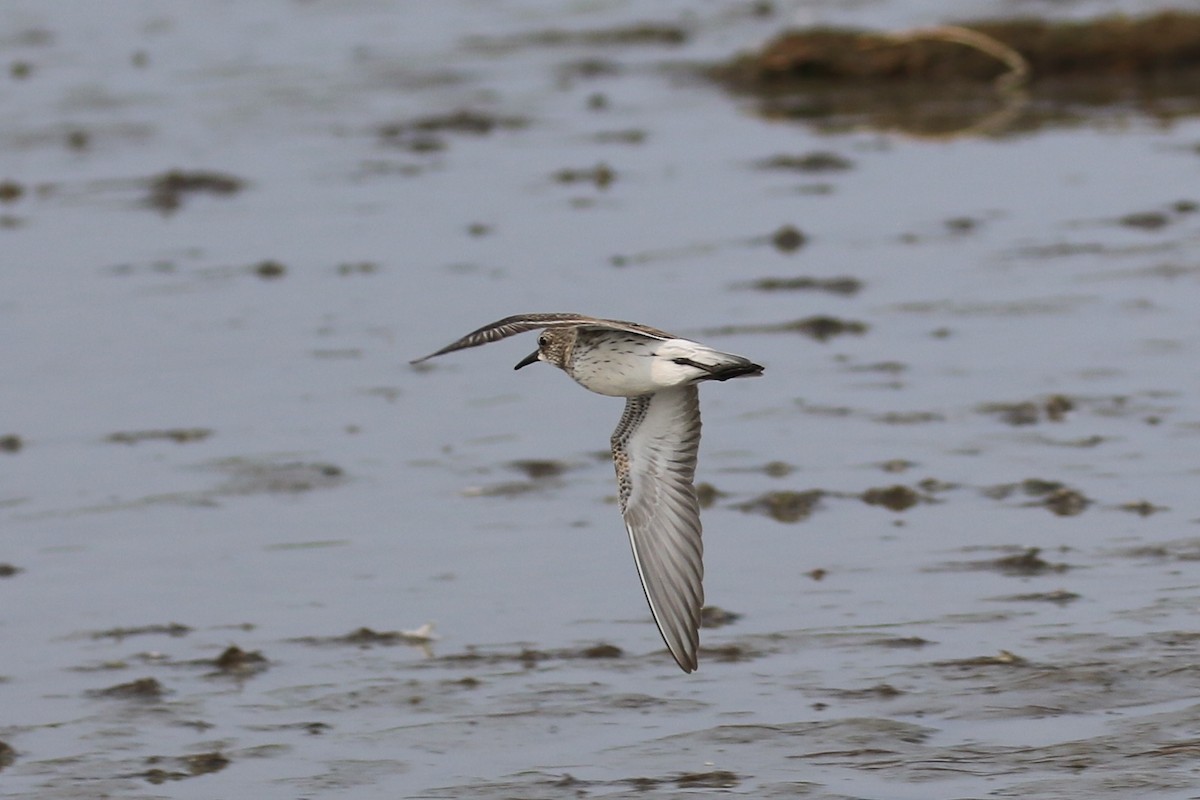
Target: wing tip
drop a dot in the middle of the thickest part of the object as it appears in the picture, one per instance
(687, 662)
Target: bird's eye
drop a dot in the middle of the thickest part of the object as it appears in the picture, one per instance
(543, 340)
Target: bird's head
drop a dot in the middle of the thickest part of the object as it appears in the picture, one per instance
(554, 347)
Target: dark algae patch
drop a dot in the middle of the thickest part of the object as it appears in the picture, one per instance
(815, 162)
(843, 286)
(368, 637)
(236, 661)
(141, 689)
(1026, 563)
(1117, 45)
(168, 190)
(979, 76)
(601, 176)
(10, 191)
(427, 134)
(784, 505)
(717, 617)
(822, 328)
(270, 269)
(177, 435)
(177, 769)
(717, 779)
(1058, 597)
(641, 33)
(1030, 412)
(789, 238)
(895, 498)
(170, 629)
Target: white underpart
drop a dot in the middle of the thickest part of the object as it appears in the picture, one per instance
(664, 372)
(642, 367)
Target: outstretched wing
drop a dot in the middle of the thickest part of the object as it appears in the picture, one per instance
(520, 323)
(654, 450)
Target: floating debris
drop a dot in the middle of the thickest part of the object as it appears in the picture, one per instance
(717, 779)
(10, 443)
(1143, 508)
(1026, 563)
(1056, 496)
(1029, 562)
(10, 191)
(367, 637)
(842, 286)
(631, 136)
(895, 498)
(539, 468)
(529, 657)
(788, 239)
(784, 506)
(707, 494)
(602, 650)
(716, 617)
(170, 629)
(600, 175)
(141, 689)
(269, 269)
(8, 570)
(236, 661)
(880, 690)
(1066, 502)
(189, 767)
(177, 435)
(1059, 596)
(809, 162)
(1002, 658)
(168, 189)
(821, 328)
(644, 33)
(1145, 220)
(728, 653)
(421, 135)
(1029, 412)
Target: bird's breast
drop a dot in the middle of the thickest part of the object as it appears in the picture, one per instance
(631, 368)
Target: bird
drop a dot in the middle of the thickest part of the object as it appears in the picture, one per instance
(654, 446)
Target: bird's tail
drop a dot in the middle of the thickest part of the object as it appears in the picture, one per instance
(736, 367)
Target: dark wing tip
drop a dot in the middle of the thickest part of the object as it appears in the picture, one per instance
(747, 370)
(423, 359)
(686, 661)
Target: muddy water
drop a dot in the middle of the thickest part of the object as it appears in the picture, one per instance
(958, 528)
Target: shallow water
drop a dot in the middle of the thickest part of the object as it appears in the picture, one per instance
(214, 453)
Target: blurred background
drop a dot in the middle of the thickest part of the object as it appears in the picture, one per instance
(951, 535)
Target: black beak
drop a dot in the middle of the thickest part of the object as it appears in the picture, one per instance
(527, 360)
